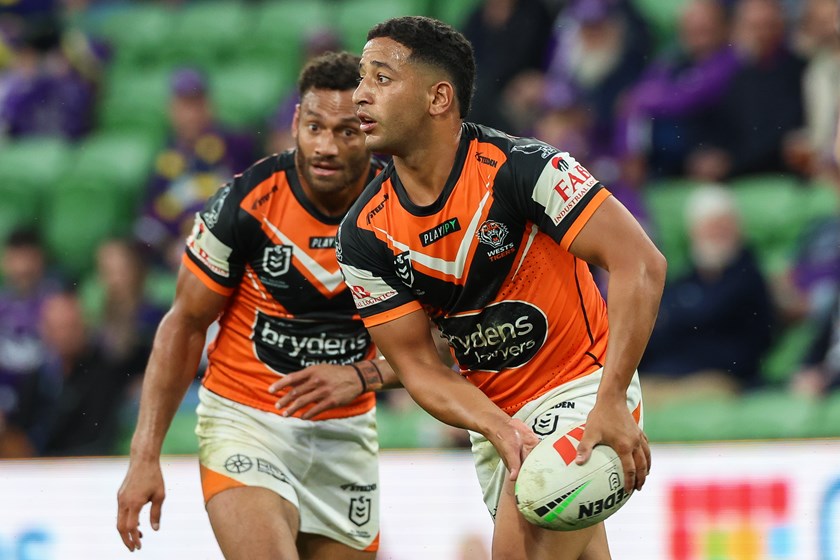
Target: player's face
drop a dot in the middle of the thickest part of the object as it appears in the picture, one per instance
(331, 154)
(392, 96)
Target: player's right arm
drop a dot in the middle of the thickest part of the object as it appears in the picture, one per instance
(407, 345)
(172, 366)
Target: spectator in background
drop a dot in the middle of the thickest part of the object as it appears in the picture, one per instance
(820, 371)
(44, 93)
(510, 39)
(817, 40)
(763, 104)
(600, 51)
(280, 137)
(714, 322)
(126, 320)
(69, 407)
(199, 157)
(25, 287)
(667, 111)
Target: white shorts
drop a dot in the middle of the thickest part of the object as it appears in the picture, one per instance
(328, 469)
(562, 408)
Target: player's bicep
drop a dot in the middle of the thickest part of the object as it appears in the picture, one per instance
(195, 302)
(611, 236)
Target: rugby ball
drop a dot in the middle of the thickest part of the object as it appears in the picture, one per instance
(554, 492)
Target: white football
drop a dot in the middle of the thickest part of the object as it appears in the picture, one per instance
(554, 492)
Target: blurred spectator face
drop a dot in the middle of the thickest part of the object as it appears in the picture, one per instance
(759, 27)
(714, 228)
(120, 269)
(23, 267)
(702, 28)
(62, 326)
(189, 110)
(819, 22)
(331, 153)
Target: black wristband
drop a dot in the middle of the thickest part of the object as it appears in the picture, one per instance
(378, 371)
(361, 377)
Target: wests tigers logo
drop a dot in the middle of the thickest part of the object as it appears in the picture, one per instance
(492, 233)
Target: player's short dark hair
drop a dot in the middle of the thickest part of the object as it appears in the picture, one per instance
(337, 71)
(438, 44)
(24, 237)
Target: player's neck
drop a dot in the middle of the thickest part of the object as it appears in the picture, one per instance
(425, 169)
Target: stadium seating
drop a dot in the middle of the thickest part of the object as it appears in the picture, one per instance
(356, 17)
(666, 201)
(771, 215)
(138, 31)
(76, 219)
(277, 34)
(38, 163)
(207, 33)
(245, 94)
(136, 100)
(662, 18)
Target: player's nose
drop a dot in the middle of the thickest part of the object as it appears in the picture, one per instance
(361, 94)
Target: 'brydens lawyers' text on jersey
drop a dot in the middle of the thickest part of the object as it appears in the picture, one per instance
(489, 263)
(260, 241)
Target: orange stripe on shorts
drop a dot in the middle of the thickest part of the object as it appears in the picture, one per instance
(212, 483)
(374, 546)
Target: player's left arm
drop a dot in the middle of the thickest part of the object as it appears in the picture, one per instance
(329, 386)
(614, 240)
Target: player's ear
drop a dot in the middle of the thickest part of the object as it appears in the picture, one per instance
(442, 98)
(296, 121)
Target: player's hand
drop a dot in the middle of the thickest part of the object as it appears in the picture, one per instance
(324, 385)
(611, 423)
(513, 440)
(143, 484)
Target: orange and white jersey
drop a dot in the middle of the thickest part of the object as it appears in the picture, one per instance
(261, 242)
(488, 262)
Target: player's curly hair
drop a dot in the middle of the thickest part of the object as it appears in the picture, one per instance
(438, 44)
(337, 71)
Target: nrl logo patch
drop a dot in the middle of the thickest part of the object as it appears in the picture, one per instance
(402, 265)
(360, 510)
(276, 260)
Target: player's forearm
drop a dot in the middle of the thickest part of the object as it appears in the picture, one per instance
(172, 367)
(453, 400)
(633, 302)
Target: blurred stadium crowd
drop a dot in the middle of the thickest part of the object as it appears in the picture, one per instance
(713, 121)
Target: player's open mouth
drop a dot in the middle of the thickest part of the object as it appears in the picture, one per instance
(325, 170)
(367, 123)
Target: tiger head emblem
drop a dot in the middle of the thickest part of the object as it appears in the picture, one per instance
(492, 233)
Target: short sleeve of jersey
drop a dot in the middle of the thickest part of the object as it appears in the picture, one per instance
(559, 193)
(212, 252)
(370, 271)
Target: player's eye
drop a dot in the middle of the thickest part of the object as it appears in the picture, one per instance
(312, 127)
(382, 79)
(350, 132)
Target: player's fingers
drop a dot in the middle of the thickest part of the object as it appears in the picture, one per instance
(628, 465)
(318, 408)
(155, 512)
(285, 381)
(127, 522)
(641, 467)
(584, 448)
(646, 451)
(284, 401)
(301, 401)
